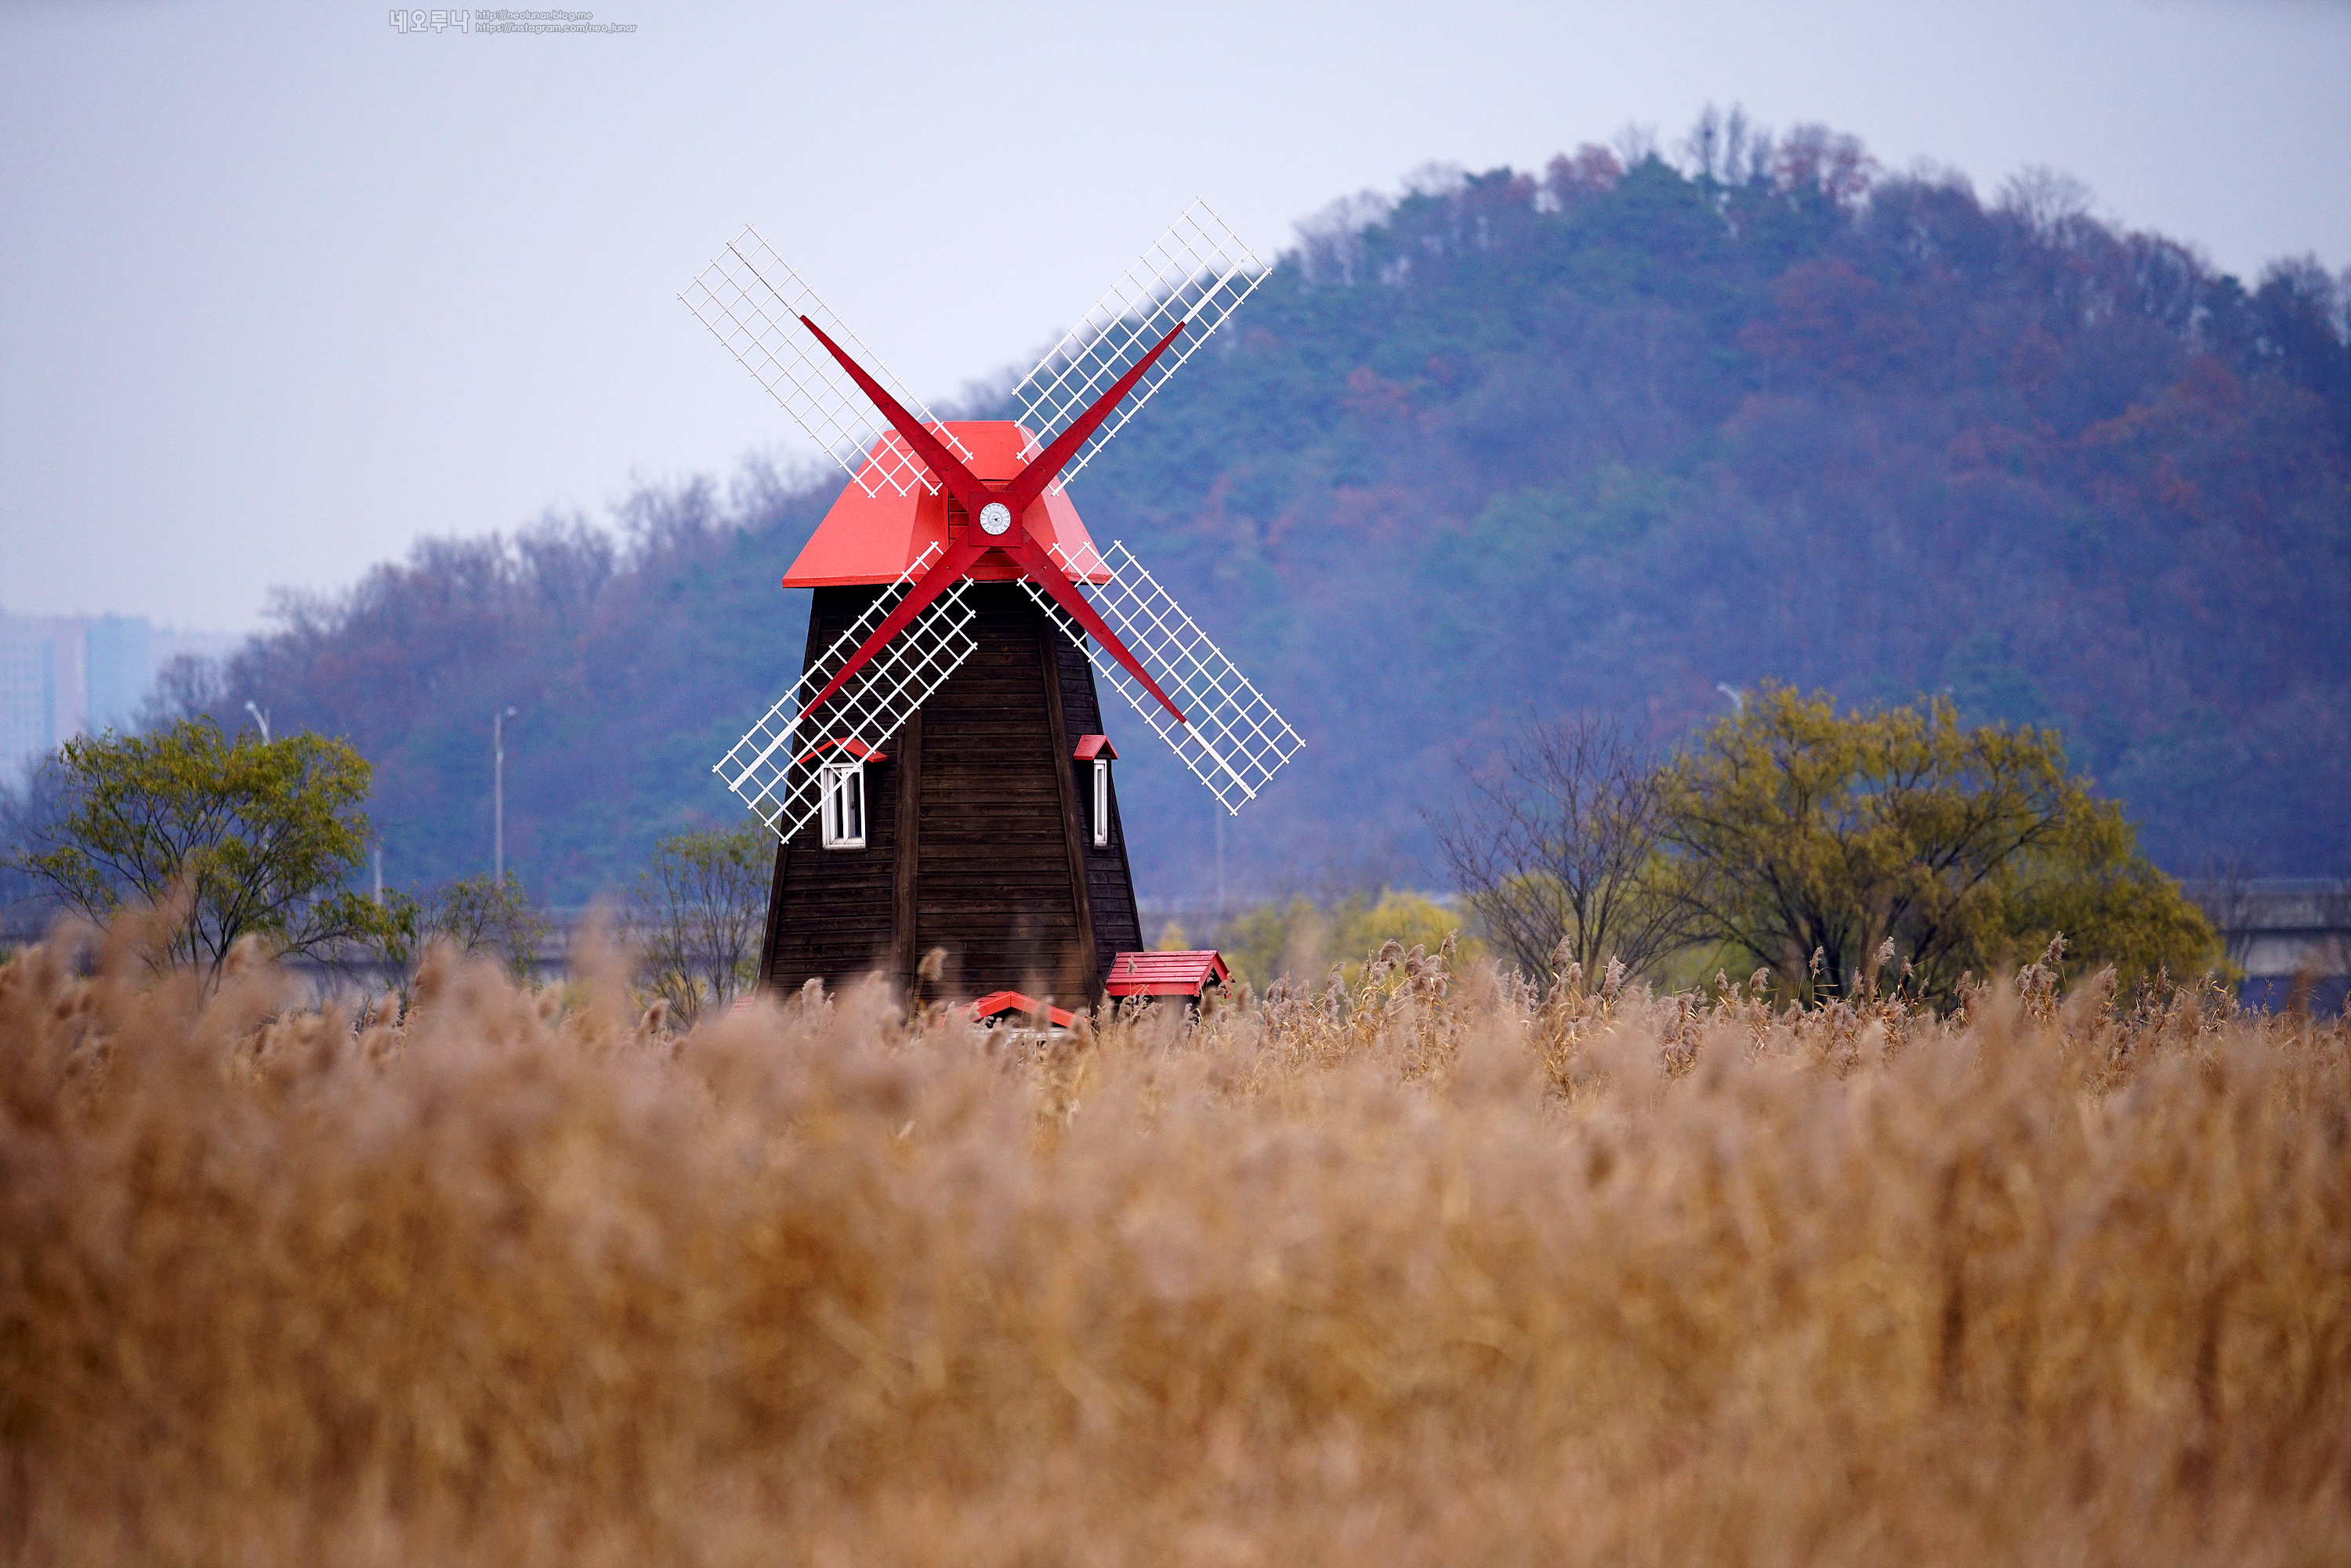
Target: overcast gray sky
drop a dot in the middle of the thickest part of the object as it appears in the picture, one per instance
(282, 289)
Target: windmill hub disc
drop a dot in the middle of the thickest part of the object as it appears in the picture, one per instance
(995, 517)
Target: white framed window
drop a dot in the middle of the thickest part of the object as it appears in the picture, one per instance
(1101, 801)
(842, 788)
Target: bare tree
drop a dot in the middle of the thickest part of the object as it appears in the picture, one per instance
(1747, 149)
(31, 808)
(2045, 200)
(1556, 849)
(1702, 148)
(187, 688)
(1634, 143)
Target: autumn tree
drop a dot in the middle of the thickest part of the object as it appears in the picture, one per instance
(237, 838)
(1812, 842)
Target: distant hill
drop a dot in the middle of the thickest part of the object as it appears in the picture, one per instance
(1596, 437)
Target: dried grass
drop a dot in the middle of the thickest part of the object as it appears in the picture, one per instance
(1431, 1270)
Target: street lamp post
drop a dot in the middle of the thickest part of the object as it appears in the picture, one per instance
(498, 795)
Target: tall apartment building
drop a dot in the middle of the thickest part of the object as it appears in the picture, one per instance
(63, 675)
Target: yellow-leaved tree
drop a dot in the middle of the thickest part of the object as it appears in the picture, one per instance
(1301, 940)
(1812, 842)
(239, 838)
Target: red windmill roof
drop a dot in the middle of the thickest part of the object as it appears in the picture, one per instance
(1166, 974)
(875, 539)
(1092, 745)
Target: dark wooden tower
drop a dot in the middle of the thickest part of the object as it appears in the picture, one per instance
(979, 830)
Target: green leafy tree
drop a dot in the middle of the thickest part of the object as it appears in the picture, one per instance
(1267, 941)
(402, 928)
(702, 902)
(1361, 926)
(2123, 912)
(1827, 845)
(1301, 940)
(480, 913)
(242, 838)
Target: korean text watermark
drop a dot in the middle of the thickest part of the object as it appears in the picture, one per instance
(406, 21)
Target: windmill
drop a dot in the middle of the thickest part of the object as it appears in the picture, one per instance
(939, 777)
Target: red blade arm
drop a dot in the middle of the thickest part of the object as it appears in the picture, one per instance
(1051, 579)
(1023, 490)
(928, 447)
(933, 583)
(1032, 480)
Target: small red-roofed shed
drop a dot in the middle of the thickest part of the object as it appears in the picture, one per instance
(1181, 974)
(996, 1004)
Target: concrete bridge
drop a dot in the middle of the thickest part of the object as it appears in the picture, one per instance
(2288, 935)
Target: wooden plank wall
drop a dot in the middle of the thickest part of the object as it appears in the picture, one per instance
(995, 889)
(828, 917)
(997, 811)
(1109, 883)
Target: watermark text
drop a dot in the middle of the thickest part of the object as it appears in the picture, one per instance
(414, 21)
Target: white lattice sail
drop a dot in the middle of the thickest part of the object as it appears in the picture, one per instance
(774, 767)
(1232, 738)
(752, 301)
(1197, 272)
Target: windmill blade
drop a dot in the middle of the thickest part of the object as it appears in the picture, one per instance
(769, 767)
(1197, 273)
(1234, 740)
(752, 301)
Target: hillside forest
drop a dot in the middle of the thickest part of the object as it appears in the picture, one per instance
(1633, 434)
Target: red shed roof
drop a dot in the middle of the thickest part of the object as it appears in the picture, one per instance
(1166, 974)
(875, 539)
(996, 1004)
(1092, 745)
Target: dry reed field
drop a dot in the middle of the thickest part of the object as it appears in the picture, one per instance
(1439, 1269)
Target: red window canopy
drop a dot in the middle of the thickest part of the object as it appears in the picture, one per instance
(996, 1004)
(1092, 745)
(854, 748)
(1166, 974)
